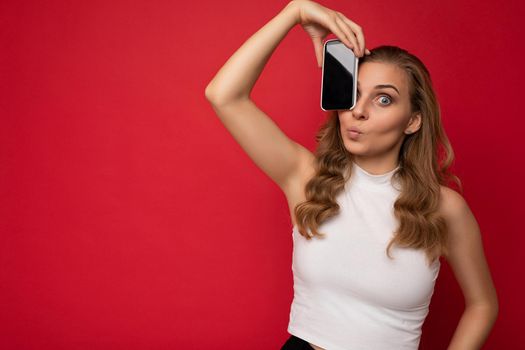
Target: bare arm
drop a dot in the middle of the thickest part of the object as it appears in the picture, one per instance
(467, 260)
(237, 77)
(271, 150)
(282, 159)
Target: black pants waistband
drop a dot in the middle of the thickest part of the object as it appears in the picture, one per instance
(295, 343)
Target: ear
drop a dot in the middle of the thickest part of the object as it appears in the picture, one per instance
(413, 124)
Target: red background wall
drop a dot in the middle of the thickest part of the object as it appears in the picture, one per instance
(131, 219)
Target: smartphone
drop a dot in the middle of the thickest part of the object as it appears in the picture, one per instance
(339, 76)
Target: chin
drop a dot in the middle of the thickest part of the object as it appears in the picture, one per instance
(357, 151)
(352, 144)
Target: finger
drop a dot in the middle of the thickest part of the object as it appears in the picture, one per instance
(356, 29)
(347, 34)
(341, 22)
(367, 52)
(318, 46)
(334, 28)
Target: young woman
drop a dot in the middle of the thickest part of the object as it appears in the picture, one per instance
(371, 211)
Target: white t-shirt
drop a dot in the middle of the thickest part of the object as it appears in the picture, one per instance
(348, 295)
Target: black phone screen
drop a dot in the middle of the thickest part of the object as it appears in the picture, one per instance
(338, 77)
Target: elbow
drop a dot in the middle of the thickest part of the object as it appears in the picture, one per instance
(213, 97)
(490, 309)
(220, 99)
(489, 304)
(208, 93)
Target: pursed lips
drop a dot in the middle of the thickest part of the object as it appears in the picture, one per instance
(355, 129)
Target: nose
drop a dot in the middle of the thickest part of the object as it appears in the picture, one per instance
(359, 111)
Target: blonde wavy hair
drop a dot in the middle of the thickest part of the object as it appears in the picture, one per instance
(425, 157)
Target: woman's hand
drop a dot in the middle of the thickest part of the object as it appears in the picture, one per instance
(318, 21)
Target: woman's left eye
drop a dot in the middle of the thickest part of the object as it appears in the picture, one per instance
(388, 98)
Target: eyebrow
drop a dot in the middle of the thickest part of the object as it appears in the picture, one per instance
(384, 86)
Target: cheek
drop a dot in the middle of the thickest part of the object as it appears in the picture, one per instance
(386, 136)
(393, 122)
(389, 130)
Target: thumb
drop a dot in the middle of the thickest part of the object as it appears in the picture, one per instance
(318, 46)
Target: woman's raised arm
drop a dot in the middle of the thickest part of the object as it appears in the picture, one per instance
(282, 159)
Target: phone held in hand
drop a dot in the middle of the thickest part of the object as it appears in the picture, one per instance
(339, 76)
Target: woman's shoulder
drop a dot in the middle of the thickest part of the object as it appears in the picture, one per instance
(457, 215)
(451, 202)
